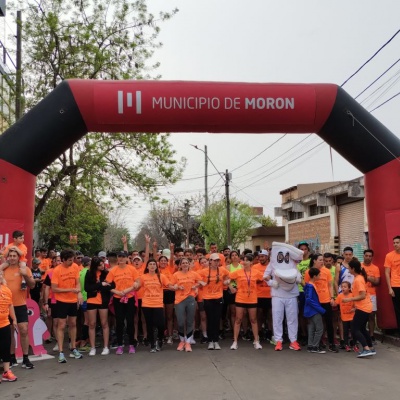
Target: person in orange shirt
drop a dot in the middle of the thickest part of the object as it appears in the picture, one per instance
(153, 284)
(214, 277)
(392, 275)
(45, 262)
(66, 287)
(6, 313)
(18, 276)
(203, 262)
(125, 278)
(363, 306)
(185, 282)
(374, 279)
(346, 312)
(18, 245)
(246, 298)
(168, 296)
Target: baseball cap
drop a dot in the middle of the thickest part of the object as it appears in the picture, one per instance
(36, 261)
(136, 258)
(119, 254)
(214, 256)
(263, 253)
(303, 243)
(102, 254)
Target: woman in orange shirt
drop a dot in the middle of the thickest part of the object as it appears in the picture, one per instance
(246, 298)
(168, 296)
(203, 263)
(363, 305)
(153, 284)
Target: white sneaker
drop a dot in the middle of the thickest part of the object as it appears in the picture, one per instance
(170, 340)
(191, 340)
(234, 346)
(55, 348)
(257, 345)
(217, 346)
(105, 352)
(92, 351)
(211, 346)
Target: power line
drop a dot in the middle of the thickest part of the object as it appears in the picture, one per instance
(387, 101)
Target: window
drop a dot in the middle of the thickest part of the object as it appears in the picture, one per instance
(292, 215)
(317, 210)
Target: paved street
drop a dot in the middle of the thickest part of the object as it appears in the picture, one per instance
(244, 374)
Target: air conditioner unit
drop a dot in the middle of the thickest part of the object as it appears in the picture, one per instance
(278, 212)
(355, 190)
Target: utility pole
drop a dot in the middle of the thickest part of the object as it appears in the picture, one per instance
(205, 179)
(187, 207)
(228, 177)
(18, 82)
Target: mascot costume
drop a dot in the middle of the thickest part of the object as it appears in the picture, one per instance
(282, 276)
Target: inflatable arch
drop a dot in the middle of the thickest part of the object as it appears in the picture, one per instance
(76, 107)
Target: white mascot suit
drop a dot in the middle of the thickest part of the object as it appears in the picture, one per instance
(283, 278)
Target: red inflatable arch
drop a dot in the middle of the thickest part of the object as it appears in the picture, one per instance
(76, 107)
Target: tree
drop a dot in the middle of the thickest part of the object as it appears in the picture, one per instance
(213, 223)
(93, 39)
(266, 220)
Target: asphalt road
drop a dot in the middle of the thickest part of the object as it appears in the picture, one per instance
(218, 375)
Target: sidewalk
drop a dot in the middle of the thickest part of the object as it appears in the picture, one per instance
(387, 338)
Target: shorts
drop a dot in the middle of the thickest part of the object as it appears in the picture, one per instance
(264, 302)
(200, 306)
(229, 298)
(53, 308)
(92, 306)
(374, 303)
(246, 305)
(169, 297)
(21, 313)
(65, 310)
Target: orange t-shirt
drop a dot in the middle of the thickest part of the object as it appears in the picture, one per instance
(153, 292)
(263, 290)
(360, 286)
(66, 278)
(187, 280)
(371, 270)
(392, 261)
(14, 279)
(22, 248)
(346, 313)
(45, 264)
(5, 303)
(246, 285)
(168, 272)
(140, 271)
(97, 299)
(123, 278)
(213, 290)
(322, 284)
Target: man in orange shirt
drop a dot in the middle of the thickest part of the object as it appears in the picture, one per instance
(66, 287)
(15, 275)
(373, 280)
(214, 250)
(392, 274)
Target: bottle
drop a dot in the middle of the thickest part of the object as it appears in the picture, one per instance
(23, 284)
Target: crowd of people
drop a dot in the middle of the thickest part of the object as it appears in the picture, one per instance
(154, 297)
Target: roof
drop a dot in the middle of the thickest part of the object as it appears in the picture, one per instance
(269, 231)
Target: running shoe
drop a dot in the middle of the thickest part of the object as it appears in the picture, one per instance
(318, 350)
(120, 350)
(356, 349)
(188, 347)
(278, 346)
(61, 358)
(191, 340)
(204, 340)
(272, 340)
(257, 345)
(75, 354)
(55, 348)
(294, 346)
(170, 340)
(153, 350)
(8, 376)
(333, 349)
(373, 351)
(347, 348)
(181, 346)
(114, 345)
(84, 349)
(27, 364)
(234, 346)
(309, 349)
(158, 345)
(13, 362)
(92, 352)
(365, 353)
(105, 352)
(132, 349)
(217, 346)
(211, 346)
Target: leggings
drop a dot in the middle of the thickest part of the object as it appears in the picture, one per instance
(346, 330)
(396, 305)
(154, 317)
(185, 313)
(5, 343)
(358, 328)
(213, 309)
(124, 311)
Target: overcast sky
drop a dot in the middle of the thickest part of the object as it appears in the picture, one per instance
(275, 41)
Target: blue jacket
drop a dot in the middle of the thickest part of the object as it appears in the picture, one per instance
(312, 305)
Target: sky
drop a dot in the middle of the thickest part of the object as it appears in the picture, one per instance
(274, 41)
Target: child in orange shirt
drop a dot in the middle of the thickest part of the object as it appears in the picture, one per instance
(346, 311)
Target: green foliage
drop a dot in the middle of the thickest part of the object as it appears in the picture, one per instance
(213, 223)
(266, 220)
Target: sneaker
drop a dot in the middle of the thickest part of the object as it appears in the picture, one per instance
(8, 376)
(333, 349)
(365, 353)
(114, 345)
(145, 341)
(234, 346)
(170, 340)
(13, 362)
(153, 350)
(318, 350)
(92, 352)
(204, 340)
(120, 350)
(294, 346)
(257, 345)
(356, 349)
(27, 364)
(75, 354)
(55, 348)
(373, 351)
(278, 346)
(105, 352)
(158, 345)
(347, 348)
(191, 340)
(217, 346)
(309, 349)
(84, 348)
(211, 346)
(188, 347)
(61, 358)
(132, 349)
(181, 346)
(272, 340)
